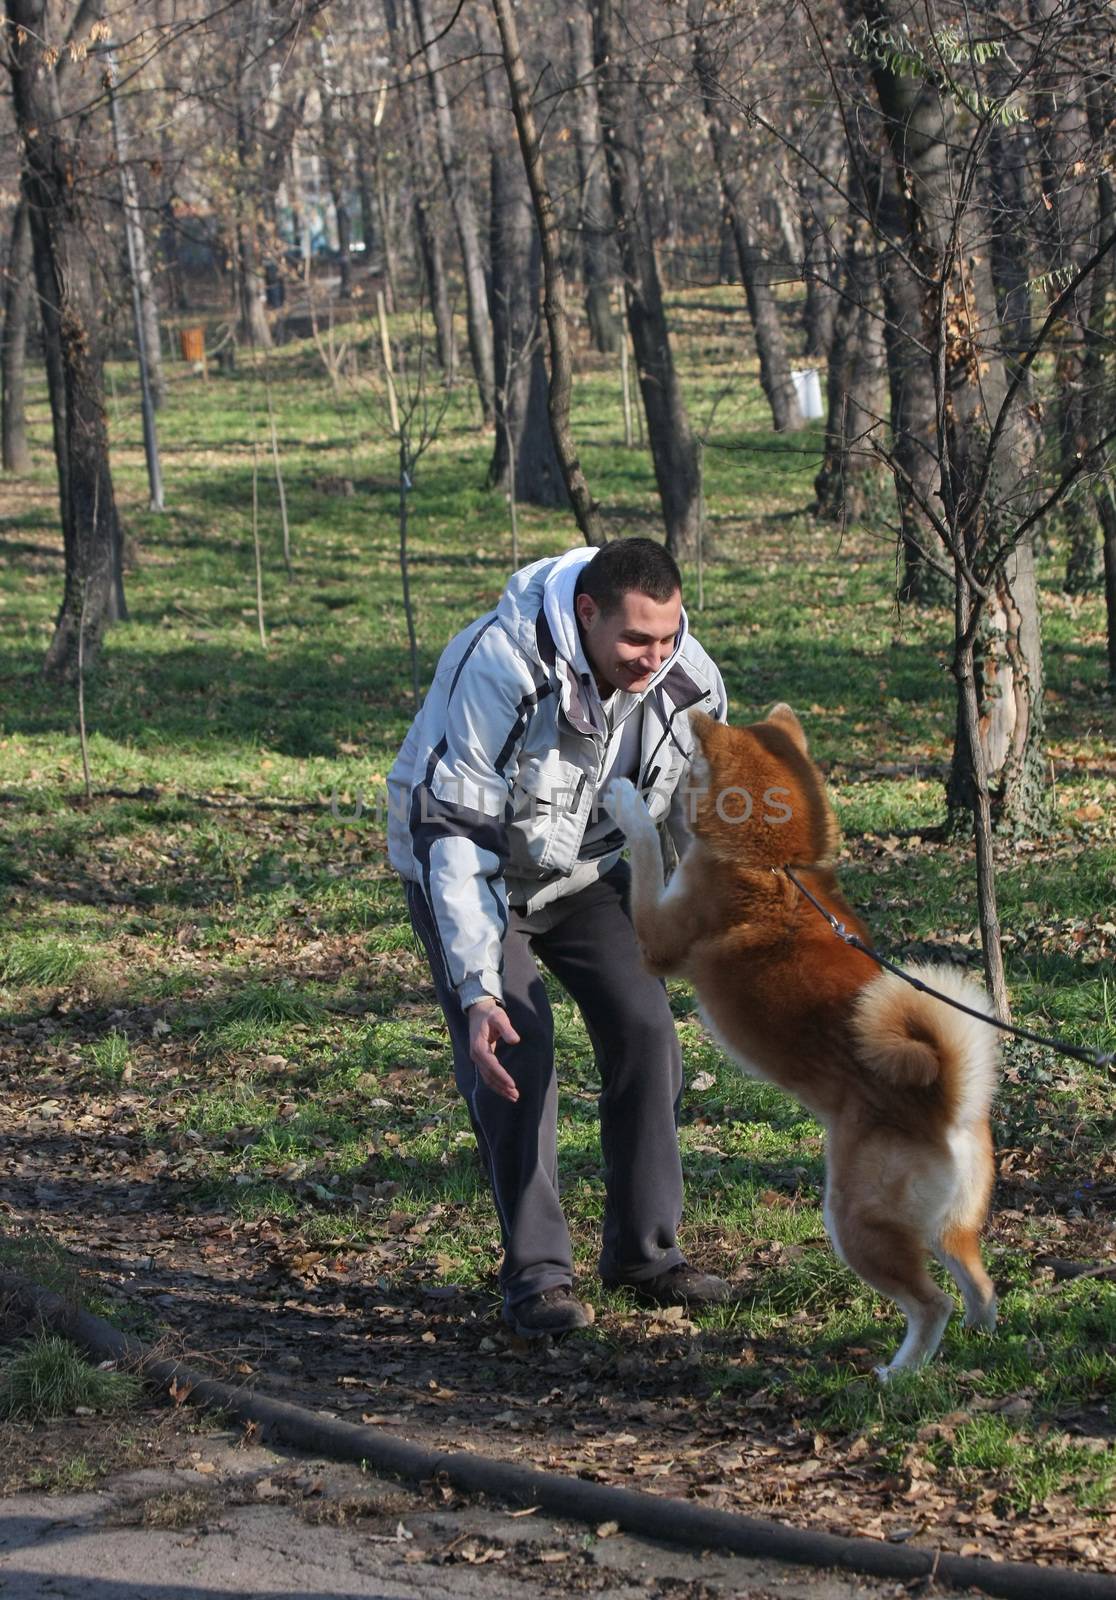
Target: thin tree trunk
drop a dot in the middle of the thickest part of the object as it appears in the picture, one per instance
(673, 447)
(819, 215)
(1106, 509)
(593, 203)
(464, 215)
(775, 378)
(969, 732)
(522, 430)
(366, 187)
(427, 232)
(406, 477)
(560, 388)
(333, 154)
(254, 326)
(16, 455)
(385, 230)
(53, 173)
(914, 437)
(855, 383)
(148, 300)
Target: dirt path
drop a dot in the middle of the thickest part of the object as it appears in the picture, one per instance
(225, 1519)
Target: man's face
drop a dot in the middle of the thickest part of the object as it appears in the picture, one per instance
(626, 647)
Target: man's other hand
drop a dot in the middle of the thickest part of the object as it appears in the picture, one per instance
(489, 1025)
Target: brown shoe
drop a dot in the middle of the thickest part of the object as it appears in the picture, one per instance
(554, 1311)
(680, 1285)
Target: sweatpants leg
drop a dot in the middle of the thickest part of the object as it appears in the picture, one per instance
(518, 1142)
(594, 954)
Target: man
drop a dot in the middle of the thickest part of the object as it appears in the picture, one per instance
(499, 825)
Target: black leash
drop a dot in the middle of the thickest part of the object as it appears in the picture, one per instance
(1094, 1058)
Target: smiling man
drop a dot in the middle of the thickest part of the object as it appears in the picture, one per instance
(498, 823)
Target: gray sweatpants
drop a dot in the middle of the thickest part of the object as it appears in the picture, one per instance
(588, 943)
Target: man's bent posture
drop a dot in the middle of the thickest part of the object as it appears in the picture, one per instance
(583, 674)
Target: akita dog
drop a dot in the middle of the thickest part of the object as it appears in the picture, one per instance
(901, 1082)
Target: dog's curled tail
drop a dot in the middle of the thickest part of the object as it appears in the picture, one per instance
(910, 1038)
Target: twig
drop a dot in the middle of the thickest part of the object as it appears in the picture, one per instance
(256, 542)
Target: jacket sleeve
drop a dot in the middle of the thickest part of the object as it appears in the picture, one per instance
(460, 808)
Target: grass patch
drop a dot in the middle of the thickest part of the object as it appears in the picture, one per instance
(38, 961)
(109, 1057)
(46, 1376)
(262, 1057)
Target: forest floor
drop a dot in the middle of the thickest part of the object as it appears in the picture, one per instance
(229, 1119)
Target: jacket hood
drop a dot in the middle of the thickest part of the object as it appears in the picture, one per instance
(537, 610)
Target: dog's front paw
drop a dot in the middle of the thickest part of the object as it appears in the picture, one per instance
(626, 807)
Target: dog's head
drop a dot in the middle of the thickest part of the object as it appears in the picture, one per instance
(758, 797)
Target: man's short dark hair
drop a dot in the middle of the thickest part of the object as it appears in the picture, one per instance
(626, 564)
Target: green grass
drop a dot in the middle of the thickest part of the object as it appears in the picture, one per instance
(38, 960)
(109, 1056)
(45, 1376)
(218, 940)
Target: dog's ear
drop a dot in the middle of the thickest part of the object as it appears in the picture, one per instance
(784, 718)
(705, 728)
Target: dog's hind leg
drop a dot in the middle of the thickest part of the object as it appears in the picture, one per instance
(892, 1258)
(958, 1250)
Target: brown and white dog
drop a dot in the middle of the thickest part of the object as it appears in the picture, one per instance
(901, 1082)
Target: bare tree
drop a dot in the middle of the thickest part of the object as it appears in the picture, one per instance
(673, 446)
(56, 190)
(523, 459)
(585, 508)
(593, 215)
(464, 213)
(775, 377)
(15, 455)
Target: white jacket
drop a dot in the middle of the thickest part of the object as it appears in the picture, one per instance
(495, 794)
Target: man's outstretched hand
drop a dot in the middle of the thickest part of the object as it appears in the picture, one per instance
(489, 1025)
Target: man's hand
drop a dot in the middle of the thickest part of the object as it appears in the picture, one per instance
(489, 1025)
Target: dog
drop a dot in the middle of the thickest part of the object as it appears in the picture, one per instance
(901, 1082)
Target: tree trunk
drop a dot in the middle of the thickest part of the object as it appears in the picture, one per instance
(910, 375)
(593, 204)
(413, 110)
(334, 156)
(560, 386)
(775, 378)
(15, 455)
(538, 472)
(366, 186)
(1106, 509)
(673, 447)
(1009, 244)
(1069, 238)
(855, 382)
(54, 186)
(255, 329)
(464, 215)
(986, 452)
(821, 223)
(145, 286)
(517, 346)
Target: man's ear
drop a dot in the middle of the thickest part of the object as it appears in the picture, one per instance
(585, 609)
